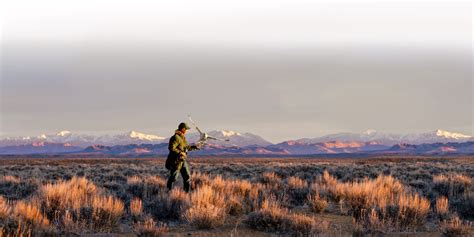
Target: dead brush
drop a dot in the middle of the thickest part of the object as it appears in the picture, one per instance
(136, 207)
(10, 228)
(136, 186)
(153, 186)
(208, 208)
(442, 207)
(317, 203)
(17, 188)
(31, 214)
(200, 179)
(150, 228)
(5, 209)
(10, 179)
(297, 190)
(270, 178)
(272, 217)
(169, 205)
(238, 187)
(218, 183)
(453, 186)
(456, 227)
(395, 207)
(86, 204)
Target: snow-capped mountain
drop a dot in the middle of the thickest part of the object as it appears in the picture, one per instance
(235, 138)
(392, 139)
(84, 140)
(333, 147)
(39, 148)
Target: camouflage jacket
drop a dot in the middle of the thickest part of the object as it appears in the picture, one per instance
(178, 147)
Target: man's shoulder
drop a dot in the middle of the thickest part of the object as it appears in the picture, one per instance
(175, 137)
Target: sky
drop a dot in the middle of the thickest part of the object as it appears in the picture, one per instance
(282, 69)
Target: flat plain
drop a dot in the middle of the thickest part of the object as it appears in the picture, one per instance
(396, 196)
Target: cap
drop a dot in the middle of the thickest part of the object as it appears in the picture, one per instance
(183, 125)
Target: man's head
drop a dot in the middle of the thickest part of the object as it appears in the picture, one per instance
(183, 127)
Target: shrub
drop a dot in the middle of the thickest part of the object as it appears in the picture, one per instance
(270, 178)
(452, 185)
(170, 205)
(208, 208)
(455, 227)
(5, 209)
(136, 186)
(150, 228)
(31, 214)
(153, 185)
(316, 203)
(79, 202)
(15, 188)
(136, 207)
(383, 201)
(297, 190)
(106, 212)
(199, 180)
(218, 183)
(272, 217)
(235, 205)
(442, 207)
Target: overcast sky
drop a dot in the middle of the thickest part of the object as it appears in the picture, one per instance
(280, 69)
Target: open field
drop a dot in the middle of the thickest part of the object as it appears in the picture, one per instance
(240, 196)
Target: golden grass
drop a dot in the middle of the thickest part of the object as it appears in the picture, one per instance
(30, 213)
(272, 217)
(453, 186)
(442, 206)
(208, 208)
(10, 179)
(73, 204)
(456, 227)
(297, 183)
(316, 203)
(266, 201)
(271, 178)
(136, 207)
(395, 207)
(5, 208)
(150, 228)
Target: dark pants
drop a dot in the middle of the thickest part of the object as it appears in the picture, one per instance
(182, 168)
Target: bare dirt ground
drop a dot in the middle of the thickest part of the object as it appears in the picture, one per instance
(396, 196)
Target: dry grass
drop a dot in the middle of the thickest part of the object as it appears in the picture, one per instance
(281, 195)
(10, 179)
(31, 214)
(68, 206)
(317, 203)
(272, 217)
(452, 185)
(456, 227)
(5, 208)
(383, 201)
(136, 207)
(208, 208)
(150, 228)
(270, 178)
(442, 207)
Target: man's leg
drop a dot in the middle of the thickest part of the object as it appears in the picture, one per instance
(186, 173)
(174, 173)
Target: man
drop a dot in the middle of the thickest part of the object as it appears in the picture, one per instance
(176, 161)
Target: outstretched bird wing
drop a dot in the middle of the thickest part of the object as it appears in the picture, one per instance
(197, 128)
(217, 139)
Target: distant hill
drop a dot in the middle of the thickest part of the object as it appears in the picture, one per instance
(39, 148)
(138, 144)
(437, 136)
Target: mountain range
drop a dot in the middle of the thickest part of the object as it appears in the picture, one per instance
(136, 144)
